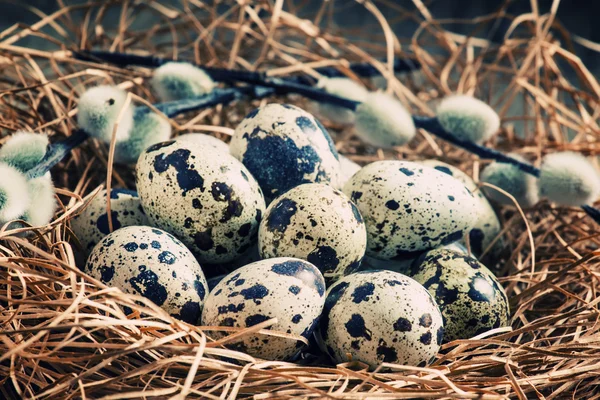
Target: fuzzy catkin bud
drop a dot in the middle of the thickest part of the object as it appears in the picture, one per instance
(99, 109)
(180, 80)
(468, 118)
(43, 202)
(382, 121)
(14, 193)
(511, 179)
(569, 179)
(24, 150)
(342, 87)
(149, 128)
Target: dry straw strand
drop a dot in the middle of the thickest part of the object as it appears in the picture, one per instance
(65, 335)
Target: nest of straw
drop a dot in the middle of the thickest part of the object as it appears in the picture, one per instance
(65, 335)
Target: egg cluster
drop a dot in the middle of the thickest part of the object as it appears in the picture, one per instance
(296, 240)
(301, 245)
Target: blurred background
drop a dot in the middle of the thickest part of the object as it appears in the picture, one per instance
(577, 16)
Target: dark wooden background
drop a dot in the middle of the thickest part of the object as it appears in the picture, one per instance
(580, 17)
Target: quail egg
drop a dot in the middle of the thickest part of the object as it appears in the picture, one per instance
(317, 223)
(284, 146)
(380, 316)
(470, 297)
(91, 225)
(487, 227)
(289, 289)
(152, 263)
(408, 207)
(205, 197)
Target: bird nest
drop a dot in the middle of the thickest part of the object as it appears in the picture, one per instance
(66, 335)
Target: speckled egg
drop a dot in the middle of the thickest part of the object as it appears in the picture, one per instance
(380, 316)
(203, 196)
(317, 223)
(204, 139)
(408, 207)
(152, 263)
(470, 297)
(289, 289)
(91, 225)
(487, 227)
(284, 146)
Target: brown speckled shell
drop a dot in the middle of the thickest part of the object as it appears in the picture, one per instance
(380, 316)
(289, 289)
(408, 207)
(470, 297)
(318, 223)
(203, 196)
(154, 264)
(91, 225)
(487, 227)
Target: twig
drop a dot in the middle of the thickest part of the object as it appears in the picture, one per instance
(57, 151)
(363, 69)
(432, 125)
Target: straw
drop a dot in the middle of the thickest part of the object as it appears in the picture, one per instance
(64, 335)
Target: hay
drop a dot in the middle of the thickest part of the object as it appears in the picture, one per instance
(65, 335)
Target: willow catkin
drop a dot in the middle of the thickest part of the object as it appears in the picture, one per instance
(468, 118)
(99, 109)
(180, 80)
(24, 150)
(569, 179)
(381, 120)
